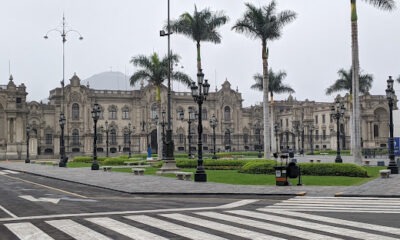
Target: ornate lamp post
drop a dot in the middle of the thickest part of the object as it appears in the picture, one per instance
(95, 115)
(199, 94)
(213, 124)
(276, 129)
(311, 139)
(63, 158)
(63, 33)
(107, 131)
(337, 112)
(28, 129)
(391, 96)
(129, 140)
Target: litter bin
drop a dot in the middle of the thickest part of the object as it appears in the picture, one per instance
(281, 176)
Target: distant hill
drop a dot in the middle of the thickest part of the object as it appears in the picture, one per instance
(109, 81)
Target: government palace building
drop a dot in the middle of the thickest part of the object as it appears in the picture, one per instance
(131, 120)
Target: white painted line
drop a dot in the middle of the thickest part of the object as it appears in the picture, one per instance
(27, 231)
(344, 198)
(291, 209)
(300, 208)
(220, 227)
(112, 213)
(3, 173)
(338, 204)
(77, 230)
(11, 171)
(8, 212)
(174, 228)
(341, 222)
(316, 201)
(312, 225)
(239, 203)
(124, 229)
(267, 226)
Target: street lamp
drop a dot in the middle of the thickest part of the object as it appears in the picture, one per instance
(391, 96)
(106, 130)
(129, 140)
(190, 120)
(199, 94)
(63, 33)
(169, 144)
(213, 123)
(311, 139)
(276, 129)
(95, 115)
(63, 158)
(337, 112)
(28, 129)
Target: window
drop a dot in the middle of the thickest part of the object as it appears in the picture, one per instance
(125, 113)
(126, 138)
(181, 138)
(227, 113)
(227, 137)
(316, 119)
(287, 122)
(49, 138)
(316, 134)
(75, 111)
(323, 118)
(376, 131)
(153, 112)
(205, 138)
(204, 115)
(99, 137)
(112, 112)
(324, 134)
(246, 138)
(113, 136)
(75, 137)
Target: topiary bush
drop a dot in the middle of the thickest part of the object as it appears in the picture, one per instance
(115, 161)
(333, 169)
(212, 164)
(259, 167)
(87, 159)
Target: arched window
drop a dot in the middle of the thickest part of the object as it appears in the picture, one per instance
(75, 137)
(227, 113)
(154, 110)
(125, 113)
(75, 111)
(113, 136)
(204, 115)
(112, 112)
(227, 137)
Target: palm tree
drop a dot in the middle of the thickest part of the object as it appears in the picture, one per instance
(275, 83)
(201, 26)
(155, 71)
(344, 82)
(398, 79)
(266, 25)
(356, 128)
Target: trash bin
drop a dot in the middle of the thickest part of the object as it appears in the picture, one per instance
(292, 170)
(281, 176)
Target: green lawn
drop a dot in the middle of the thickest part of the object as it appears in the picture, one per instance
(233, 177)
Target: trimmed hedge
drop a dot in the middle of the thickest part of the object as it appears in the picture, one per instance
(259, 167)
(212, 164)
(333, 169)
(87, 159)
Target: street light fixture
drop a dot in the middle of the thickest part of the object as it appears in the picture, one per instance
(199, 94)
(391, 96)
(63, 33)
(107, 131)
(276, 129)
(311, 139)
(95, 115)
(337, 112)
(28, 129)
(129, 140)
(214, 123)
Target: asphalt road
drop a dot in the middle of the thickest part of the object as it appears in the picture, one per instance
(34, 207)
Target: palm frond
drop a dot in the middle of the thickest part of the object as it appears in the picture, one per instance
(383, 4)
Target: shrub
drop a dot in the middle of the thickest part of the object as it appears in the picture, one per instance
(212, 164)
(87, 159)
(333, 169)
(259, 167)
(115, 161)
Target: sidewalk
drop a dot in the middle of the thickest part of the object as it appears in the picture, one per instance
(133, 184)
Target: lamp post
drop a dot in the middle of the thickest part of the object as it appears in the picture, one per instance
(63, 33)
(199, 94)
(107, 131)
(191, 118)
(95, 115)
(169, 144)
(302, 138)
(129, 140)
(337, 112)
(276, 129)
(163, 139)
(28, 129)
(213, 124)
(391, 96)
(311, 139)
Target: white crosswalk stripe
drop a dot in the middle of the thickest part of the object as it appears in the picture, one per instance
(339, 204)
(262, 223)
(5, 172)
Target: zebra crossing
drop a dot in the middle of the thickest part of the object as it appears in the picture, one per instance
(288, 219)
(5, 172)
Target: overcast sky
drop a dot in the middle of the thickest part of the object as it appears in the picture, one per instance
(312, 48)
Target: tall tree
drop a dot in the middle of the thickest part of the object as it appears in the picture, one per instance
(344, 82)
(275, 83)
(201, 26)
(356, 128)
(266, 25)
(155, 71)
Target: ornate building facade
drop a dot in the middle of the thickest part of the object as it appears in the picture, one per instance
(296, 124)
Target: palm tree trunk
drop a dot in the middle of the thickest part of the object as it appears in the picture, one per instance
(271, 126)
(356, 128)
(267, 135)
(198, 57)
